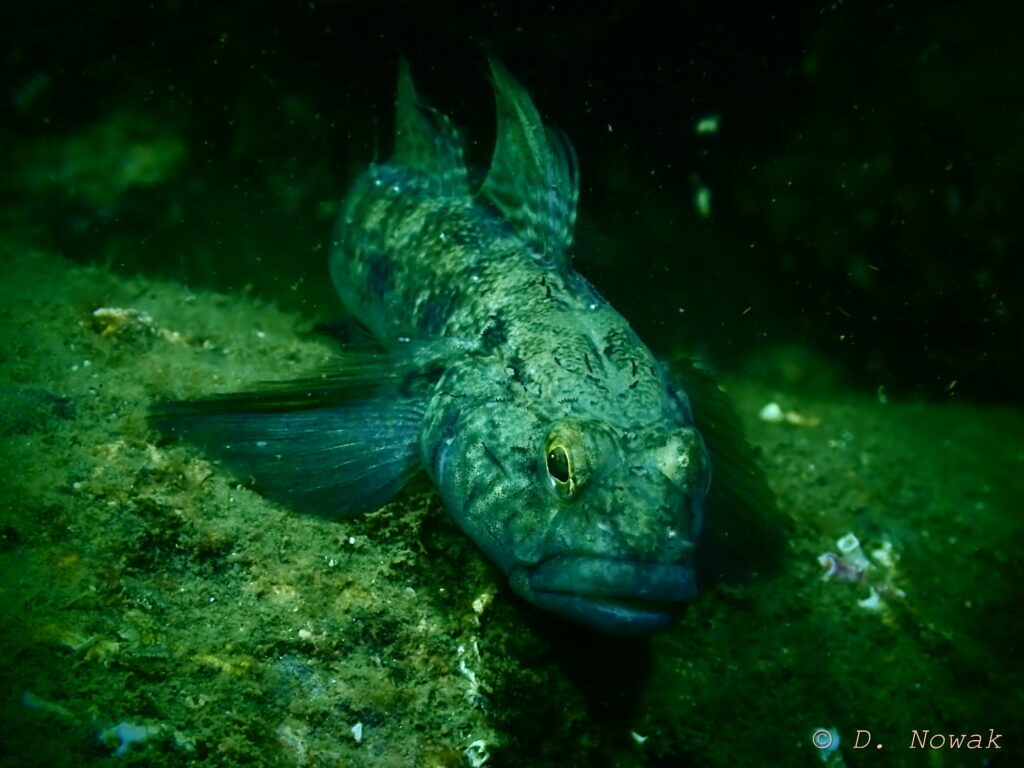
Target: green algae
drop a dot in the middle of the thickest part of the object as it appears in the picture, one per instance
(142, 584)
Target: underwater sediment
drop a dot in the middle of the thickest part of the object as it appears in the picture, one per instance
(158, 610)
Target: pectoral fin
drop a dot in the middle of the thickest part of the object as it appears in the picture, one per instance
(335, 445)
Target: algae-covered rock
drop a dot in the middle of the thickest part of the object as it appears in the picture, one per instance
(158, 611)
(144, 585)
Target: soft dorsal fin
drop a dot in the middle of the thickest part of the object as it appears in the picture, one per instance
(426, 141)
(533, 180)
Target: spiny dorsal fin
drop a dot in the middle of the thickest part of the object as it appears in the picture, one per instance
(426, 142)
(532, 180)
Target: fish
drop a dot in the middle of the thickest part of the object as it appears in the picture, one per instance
(586, 469)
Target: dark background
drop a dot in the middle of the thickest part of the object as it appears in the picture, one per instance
(865, 180)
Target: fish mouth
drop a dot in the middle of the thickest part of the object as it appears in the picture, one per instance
(621, 597)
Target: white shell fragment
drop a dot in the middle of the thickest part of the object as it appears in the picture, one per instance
(774, 414)
(476, 753)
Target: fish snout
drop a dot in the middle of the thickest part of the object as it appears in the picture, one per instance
(617, 596)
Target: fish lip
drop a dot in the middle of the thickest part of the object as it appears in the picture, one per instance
(620, 597)
(606, 615)
(594, 576)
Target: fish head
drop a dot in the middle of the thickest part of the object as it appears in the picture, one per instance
(591, 521)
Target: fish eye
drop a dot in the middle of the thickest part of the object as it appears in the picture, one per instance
(558, 464)
(567, 459)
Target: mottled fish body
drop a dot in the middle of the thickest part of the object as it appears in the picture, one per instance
(556, 439)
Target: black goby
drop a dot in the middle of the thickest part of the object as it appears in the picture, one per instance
(557, 441)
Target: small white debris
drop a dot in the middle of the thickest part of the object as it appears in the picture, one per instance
(884, 555)
(878, 572)
(872, 602)
(357, 732)
(109, 320)
(481, 602)
(473, 690)
(125, 734)
(476, 753)
(702, 201)
(638, 738)
(849, 547)
(848, 543)
(707, 125)
(773, 413)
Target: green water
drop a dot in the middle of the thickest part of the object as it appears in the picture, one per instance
(168, 196)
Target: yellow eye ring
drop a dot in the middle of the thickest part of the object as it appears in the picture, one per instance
(567, 458)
